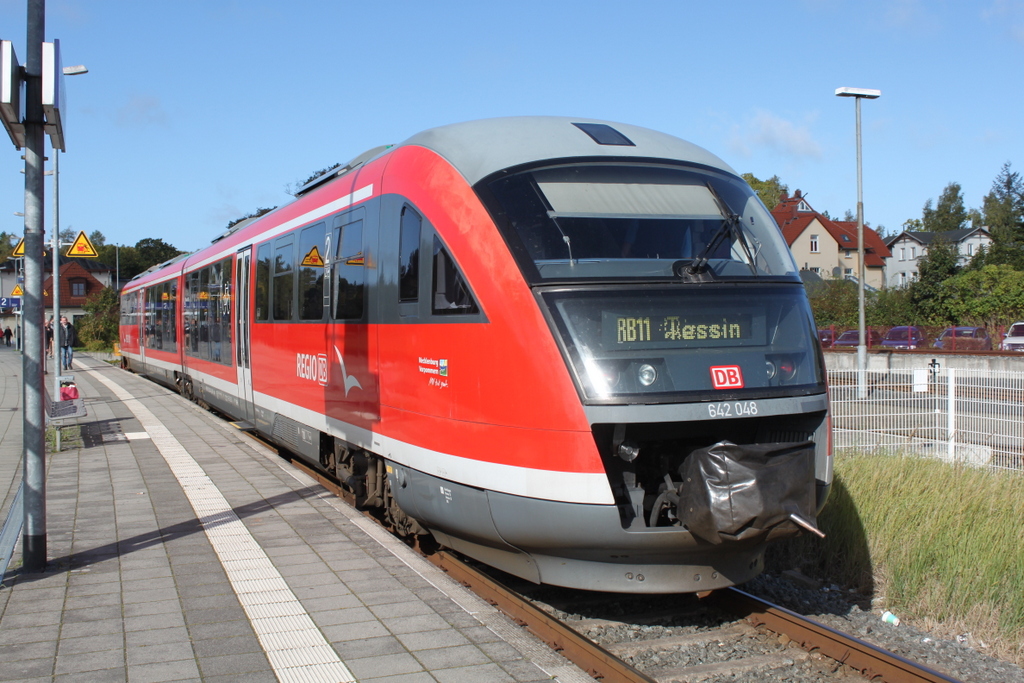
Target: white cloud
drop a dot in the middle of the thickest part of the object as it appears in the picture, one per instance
(1009, 14)
(766, 131)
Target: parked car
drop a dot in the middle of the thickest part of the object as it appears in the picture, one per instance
(1014, 339)
(964, 338)
(827, 337)
(903, 337)
(852, 338)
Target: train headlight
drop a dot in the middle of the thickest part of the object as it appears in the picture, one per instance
(647, 375)
(604, 377)
(787, 369)
(781, 368)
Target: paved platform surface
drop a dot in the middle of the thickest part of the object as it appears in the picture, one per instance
(179, 550)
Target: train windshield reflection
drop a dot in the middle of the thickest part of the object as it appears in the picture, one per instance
(613, 221)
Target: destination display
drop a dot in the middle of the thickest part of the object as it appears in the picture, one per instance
(680, 330)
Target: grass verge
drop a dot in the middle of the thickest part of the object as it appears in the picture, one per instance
(937, 543)
(70, 437)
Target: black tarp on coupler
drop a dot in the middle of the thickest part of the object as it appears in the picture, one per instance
(736, 492)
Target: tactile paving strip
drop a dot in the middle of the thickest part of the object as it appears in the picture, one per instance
(297, 650)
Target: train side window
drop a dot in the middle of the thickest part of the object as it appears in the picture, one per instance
(158, 320)
(349, 272)
(284, 278)
(263, 282)
(409, 250)
(226, 294)
(311, 273)
(204, 314)
(192, 339)
(216, 321)
(171, 317)
(451, 295)
(151, 341)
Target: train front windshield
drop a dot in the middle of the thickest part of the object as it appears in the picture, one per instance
(626, 222)
(663, 283)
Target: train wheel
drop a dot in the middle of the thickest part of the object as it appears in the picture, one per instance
(403, 524)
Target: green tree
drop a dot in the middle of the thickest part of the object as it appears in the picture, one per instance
(99, 329)
(311, 178)
(889, 307)
(938, 265)
(990, 296)
(770, 191)
(132, 260)
(255, 214)
(998, 254)
(948, 214)
(97, 238)
(7, 245)
(834, 302)
(152, 251)
(1003, 207)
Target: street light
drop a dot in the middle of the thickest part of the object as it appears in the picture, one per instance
(862, 352)
(55, 285)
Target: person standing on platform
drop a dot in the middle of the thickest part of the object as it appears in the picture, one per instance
(7, 336)
(48, 330)
(66, 340)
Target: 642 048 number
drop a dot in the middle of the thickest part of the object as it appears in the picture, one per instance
(732, 409)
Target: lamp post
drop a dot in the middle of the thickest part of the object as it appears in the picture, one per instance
(55, 285)
(862, 352)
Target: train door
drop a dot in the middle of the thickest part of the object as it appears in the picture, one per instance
(243, 263)
(350, 244)
(141, 321)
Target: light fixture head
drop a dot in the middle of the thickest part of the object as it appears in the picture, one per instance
(866, 93)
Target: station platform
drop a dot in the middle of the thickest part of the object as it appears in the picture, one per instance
(181, 550)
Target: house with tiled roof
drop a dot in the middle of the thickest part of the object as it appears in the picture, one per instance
(828, 247)
(909, 247)
(76, 286)
(80, 278)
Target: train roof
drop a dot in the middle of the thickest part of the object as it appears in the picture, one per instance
(480, 148)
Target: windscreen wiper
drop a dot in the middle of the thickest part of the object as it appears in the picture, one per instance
(731, 227)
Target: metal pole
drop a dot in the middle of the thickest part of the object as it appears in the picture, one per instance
(56, 284)
(34, 434)
(862, 349)
(950, 414)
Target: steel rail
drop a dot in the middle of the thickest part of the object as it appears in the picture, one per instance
(873, 661)
(580, 650)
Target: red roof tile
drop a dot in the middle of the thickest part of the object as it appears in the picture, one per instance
(69, 273)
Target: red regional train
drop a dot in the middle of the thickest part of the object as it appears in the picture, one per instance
(575, 350)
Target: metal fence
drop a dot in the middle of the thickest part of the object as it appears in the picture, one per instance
(968, 416)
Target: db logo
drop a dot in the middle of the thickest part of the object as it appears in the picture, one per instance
(726, 377)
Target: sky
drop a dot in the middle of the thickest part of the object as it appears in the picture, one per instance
(197, 112)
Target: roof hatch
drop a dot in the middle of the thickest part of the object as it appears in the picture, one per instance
(603, 134)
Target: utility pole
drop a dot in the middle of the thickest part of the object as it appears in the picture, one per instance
(34, 424)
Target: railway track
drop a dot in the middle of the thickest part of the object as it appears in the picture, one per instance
(654, 653)
(714, 651)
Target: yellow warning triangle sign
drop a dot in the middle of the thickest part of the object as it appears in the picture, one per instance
(313, 259)
(19, 251)
(17, 291)
(82, 247)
